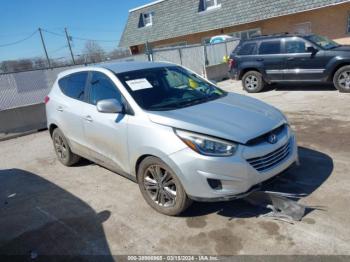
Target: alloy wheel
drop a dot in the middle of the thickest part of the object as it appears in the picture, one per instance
(344, 80)
(160, 186)
(251, 82)
(60, 147)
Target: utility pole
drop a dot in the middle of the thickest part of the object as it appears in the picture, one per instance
(69, 45)
(42, 41)
(148, 52)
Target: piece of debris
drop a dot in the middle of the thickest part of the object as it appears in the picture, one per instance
(283, 208)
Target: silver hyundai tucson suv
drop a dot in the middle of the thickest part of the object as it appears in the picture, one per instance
(176, 134)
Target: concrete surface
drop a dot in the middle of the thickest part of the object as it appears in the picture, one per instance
(22, 119)
(217, 72)
(47, 208)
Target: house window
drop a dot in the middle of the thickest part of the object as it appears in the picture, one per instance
(247, 34)
(146, 19)
(205, 5)
(348, 25)
(211, 4)
(303, 28)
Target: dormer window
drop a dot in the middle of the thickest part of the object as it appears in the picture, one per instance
(207, 5)
(211, 4)
(146, 19)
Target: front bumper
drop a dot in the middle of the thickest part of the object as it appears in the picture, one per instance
(237, 176)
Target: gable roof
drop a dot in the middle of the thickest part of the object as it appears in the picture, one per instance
(173, 18)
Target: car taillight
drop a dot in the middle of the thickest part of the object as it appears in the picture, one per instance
(46, 99)
(231, 63)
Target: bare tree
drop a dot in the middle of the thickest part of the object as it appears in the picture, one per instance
(94, 52)
(17, 65)
(119, 53)
(39, 63)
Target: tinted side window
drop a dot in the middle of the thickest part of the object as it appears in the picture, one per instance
(102, 87)
(247, 49)
(74, 85)
(270, 47)
(295, 46)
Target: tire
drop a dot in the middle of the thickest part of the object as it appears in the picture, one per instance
(341, 79)
(253, 82)
(62, 149)
(161, 188)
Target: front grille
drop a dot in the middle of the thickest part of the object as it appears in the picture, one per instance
(270, 160)
(263, 138)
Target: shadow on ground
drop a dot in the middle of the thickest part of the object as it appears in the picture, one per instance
(38, 218)
(314, 170)
(300, 87)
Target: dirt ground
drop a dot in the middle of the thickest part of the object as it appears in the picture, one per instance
(46, 208)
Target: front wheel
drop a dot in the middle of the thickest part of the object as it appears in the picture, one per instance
(341, 79)
(161, 188)
(253, 82)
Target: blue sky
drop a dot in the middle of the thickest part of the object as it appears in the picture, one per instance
(92, 19)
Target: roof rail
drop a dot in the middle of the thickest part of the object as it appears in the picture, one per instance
(272, 35)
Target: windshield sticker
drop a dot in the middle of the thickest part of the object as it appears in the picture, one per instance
(139, 84)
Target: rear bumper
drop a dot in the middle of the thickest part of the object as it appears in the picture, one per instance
(233, 74)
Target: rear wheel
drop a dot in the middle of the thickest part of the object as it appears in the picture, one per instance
(62, 149)
(341, 79)
(161, 188)
(253, 82)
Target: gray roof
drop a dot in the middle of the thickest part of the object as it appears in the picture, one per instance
(122, 67)
(174, 18)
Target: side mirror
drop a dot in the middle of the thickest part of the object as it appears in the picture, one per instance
(312, 50)
(109, 106)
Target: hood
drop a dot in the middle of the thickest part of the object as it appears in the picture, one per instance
(234, 117)
(342, 48)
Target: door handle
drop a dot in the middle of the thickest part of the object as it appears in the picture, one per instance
(60, 108)
(290, 58)
(88, 118)
(260, 59)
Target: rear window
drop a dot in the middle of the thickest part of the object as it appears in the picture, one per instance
(74, 85)
(247, 49)
(270, 47)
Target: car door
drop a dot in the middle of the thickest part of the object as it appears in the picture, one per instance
(301, 64)
(69, 108)
(271, 58)
(105, 133)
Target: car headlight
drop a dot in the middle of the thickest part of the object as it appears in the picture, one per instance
(206, 145)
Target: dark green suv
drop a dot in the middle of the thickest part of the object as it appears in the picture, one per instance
(290, 58)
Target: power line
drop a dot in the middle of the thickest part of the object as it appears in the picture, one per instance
(90, 39)
(21, 40)
(80, 38)
(95, 30)
(14, 34)
(58, 49)
(53, 33)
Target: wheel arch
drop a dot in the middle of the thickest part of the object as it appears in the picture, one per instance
(52, 127)
(336, 68)
(247, 69)
(139, 161)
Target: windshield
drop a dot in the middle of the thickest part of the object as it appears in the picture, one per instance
(168, 88)
(322, 41)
